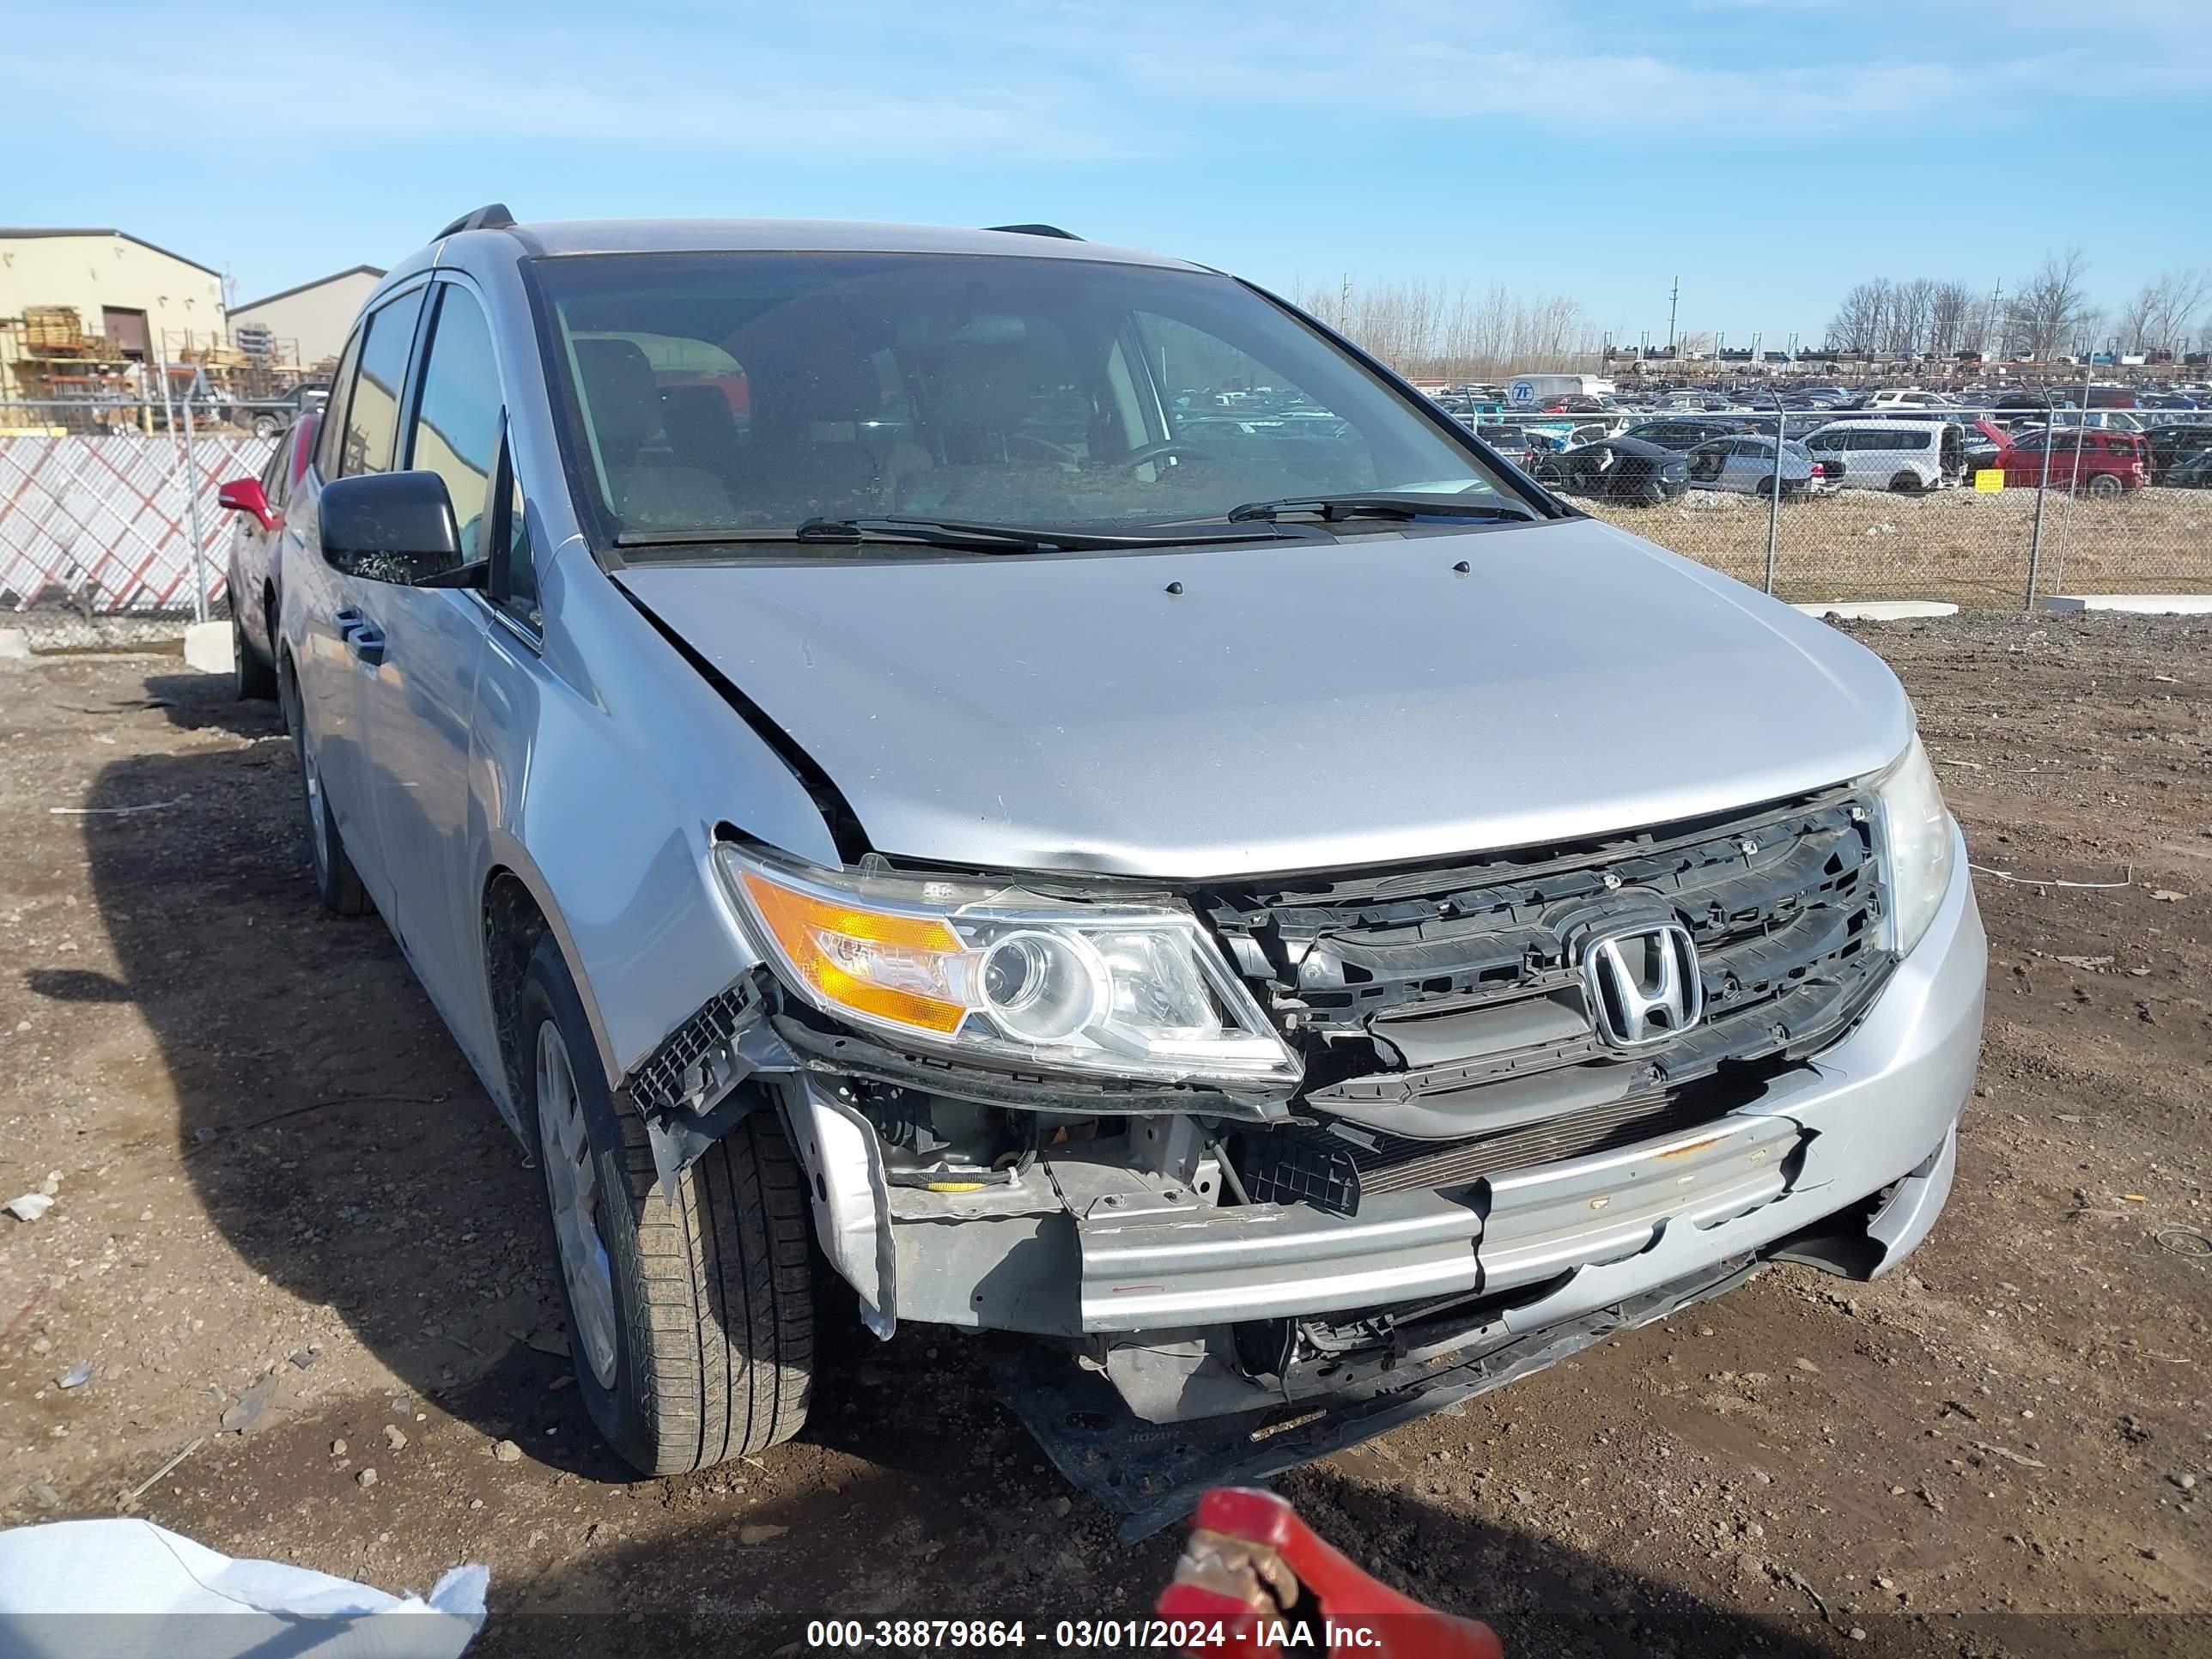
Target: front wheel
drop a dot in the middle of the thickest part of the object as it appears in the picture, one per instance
(252, 677)
(691, 1310)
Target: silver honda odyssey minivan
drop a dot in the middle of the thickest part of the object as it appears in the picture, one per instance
(1036, 781)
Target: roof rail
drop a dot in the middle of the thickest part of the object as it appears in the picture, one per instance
(493, 216)
(1037, 230)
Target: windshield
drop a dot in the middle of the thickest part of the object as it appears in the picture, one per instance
(754, 391)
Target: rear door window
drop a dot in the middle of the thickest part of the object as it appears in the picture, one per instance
(372, 424)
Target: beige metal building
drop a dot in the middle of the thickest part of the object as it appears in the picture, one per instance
(315, 315)
(129, 297)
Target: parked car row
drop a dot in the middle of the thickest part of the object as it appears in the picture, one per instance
(1906, 449)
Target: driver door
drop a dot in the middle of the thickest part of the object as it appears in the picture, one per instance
(419, 700)
(340, 624)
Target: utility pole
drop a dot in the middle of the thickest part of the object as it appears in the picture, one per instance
(1994, 332)
(1673, 295)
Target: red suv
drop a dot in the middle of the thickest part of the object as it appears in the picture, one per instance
(2102, 463)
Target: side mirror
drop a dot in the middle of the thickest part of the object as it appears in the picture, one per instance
(247, 495)
(390, 527)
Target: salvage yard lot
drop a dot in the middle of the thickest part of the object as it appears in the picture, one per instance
(281, 1197)
(1956, 544)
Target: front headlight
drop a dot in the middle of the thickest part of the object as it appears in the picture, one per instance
(963, 968)
(1916, 833)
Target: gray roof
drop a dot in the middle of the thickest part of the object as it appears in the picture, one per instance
(19, 233)
(807, 235)
(376, 272)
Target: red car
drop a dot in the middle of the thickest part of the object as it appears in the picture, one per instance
(2102, 463)
(257, 555)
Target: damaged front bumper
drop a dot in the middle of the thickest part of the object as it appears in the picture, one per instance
(1844, 1161)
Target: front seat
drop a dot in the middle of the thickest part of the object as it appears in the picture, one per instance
(649, 488)
(811, 444)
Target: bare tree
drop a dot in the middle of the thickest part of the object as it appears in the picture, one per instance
(1909, 304)
(2051, 312)
(1952, 308)
(1426, 328)
(2160, 317)
(1860, 320)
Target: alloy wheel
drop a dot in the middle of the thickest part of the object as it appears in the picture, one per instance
(573, 1188)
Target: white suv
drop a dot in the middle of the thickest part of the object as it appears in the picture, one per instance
(1909, 457)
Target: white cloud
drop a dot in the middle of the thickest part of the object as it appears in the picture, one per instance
(1011, 83)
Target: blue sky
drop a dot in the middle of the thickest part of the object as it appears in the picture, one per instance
(1770, 152)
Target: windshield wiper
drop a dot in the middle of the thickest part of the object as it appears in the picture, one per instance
(939, 532)
(1006, 537)
(1330, 508)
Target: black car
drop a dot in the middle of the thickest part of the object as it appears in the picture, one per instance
(1687, 431)
(1517, 444)
(1979, 453)
(2194, 473)
(1617, 469)
(2176, 441)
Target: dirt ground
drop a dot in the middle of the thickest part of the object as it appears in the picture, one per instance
(1958, 545)
(282, 1202)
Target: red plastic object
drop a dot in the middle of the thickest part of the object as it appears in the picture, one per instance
(1253, 1568)
(245, 495)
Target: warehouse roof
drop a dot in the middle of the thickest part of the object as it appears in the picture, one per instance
(287, 293)
(18, 233)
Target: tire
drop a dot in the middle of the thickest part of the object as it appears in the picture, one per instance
(252, 679)
(690, 1313)
(1906, 484)
(2104, 486)
(266, 426)
(1766, 490)
(338, 884)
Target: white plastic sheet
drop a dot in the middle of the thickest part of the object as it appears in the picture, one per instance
(128, 1590)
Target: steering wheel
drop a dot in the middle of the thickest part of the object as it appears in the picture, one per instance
(1144, 452)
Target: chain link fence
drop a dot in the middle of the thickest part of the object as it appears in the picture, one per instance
(1989, 506)
(110, 531)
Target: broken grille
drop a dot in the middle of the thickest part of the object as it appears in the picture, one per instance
(1441, 1010)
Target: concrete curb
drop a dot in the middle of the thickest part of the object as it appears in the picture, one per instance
(1879, 609)
(2140, 605)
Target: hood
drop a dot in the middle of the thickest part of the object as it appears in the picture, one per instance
(1297, 706)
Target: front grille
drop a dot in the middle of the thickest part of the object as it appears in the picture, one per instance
(1443, 1007)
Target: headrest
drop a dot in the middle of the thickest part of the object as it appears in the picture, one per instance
(621, 393)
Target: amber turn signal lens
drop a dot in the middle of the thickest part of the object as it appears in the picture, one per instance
(903, 969)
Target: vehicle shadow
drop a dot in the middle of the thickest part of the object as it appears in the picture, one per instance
(327, 1123)
(707, 1590)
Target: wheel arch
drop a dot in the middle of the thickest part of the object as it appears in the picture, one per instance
(516, 908)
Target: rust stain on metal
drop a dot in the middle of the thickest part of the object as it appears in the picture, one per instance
(1673, 1152)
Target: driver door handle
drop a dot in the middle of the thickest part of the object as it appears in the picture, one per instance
(363, 637)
